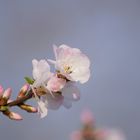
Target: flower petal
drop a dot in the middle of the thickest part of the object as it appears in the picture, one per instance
(55, 84)
(71, 92)
(42, 106)
(41, 69)
(42, 109)
(53, 102)
(67, 103)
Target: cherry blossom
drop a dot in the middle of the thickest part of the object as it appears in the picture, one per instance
(41, 74)
(72, 63)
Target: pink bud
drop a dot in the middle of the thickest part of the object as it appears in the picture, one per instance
(15, 116)
(9, 101)
(7, 93)
(24, 88)
(34, 110)
(87, 117)
(28, 108)
(1, 90)
(23, 91)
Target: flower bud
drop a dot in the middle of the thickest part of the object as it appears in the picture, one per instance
(12, 115)
(15, 116)
(7, 93)
(1, 91)
(28, 108)
(23, 91)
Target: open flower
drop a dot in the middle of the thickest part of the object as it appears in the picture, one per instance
(41, 72)
(41, 75)
(72, 63)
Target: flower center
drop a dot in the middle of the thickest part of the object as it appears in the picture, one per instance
(40, 90)
(68, 69)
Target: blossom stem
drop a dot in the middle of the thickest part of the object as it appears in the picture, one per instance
(21, 100)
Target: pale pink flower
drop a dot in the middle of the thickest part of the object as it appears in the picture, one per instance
(41, 72)
(41, 75)
(72, 63)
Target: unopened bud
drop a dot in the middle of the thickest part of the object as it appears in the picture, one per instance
(15, 116)
(1, 91)
(12, 115)
(23, 91)
(25, 88)
(7, 93)
(28, 108)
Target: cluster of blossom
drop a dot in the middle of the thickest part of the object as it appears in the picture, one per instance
(90, 132)
(52, 90)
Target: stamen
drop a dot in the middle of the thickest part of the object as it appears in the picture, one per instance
(67, 69)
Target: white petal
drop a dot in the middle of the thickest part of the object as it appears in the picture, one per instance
(42, 109)
(51, 61)
(82, 76)
(34, 63)
(67, 103)
(55, 84)
(41, 70)
(71, 92)
(53, 102)
(55, 50)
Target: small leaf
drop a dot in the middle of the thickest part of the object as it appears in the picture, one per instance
(29, 80)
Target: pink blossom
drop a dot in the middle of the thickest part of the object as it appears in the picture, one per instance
(41, 75)
(72, 63)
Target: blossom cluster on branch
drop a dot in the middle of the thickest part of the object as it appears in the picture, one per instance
(51, 90)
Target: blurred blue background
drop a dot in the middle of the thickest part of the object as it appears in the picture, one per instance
(108, 31)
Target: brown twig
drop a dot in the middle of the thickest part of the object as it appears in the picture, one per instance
(20, 100)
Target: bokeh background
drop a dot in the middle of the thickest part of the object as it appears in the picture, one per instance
(108, 31)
